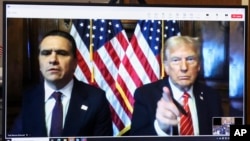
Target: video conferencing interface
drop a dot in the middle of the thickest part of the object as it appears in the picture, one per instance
(119, 48)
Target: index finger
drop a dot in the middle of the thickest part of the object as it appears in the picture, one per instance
(166, 94)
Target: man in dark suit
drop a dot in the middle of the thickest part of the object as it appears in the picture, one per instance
(159, 106)
(84, 107)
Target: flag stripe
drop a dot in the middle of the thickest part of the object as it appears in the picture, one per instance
(127, 82)
(147, 58)
(109, 78)
(126, 96)
(86, 70)
(82, 65)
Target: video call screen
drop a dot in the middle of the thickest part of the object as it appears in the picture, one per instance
(119, 50)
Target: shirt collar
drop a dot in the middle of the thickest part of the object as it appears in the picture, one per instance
(66, 90)
(177, 93)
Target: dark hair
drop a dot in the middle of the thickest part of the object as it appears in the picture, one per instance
(64, 34)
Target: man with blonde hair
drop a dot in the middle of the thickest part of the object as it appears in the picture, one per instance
(160, 107)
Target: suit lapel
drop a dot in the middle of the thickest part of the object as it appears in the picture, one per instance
(200, 99)
(76, 112)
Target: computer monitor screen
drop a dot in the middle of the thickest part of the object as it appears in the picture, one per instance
(119, 49)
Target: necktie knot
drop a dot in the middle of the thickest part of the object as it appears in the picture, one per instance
(185, 95)
(57, 96)
(185, 98)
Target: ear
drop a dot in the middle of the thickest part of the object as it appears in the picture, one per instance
(199, 67)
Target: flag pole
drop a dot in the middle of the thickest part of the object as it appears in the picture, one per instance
(91, 46)
(162, 49)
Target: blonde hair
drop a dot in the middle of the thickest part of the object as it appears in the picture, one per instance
(175, 41)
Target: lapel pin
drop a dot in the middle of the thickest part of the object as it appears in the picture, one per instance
(201, 96)
(84, 107)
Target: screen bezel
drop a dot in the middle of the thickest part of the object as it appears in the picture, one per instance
(85, 4)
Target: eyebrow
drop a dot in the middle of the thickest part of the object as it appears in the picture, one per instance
(188, 57)
(58, 51)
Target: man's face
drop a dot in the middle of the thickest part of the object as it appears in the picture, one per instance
(182, 66)
(56, 60)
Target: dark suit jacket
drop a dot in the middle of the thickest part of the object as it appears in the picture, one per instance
(208, 105)
(95, 121)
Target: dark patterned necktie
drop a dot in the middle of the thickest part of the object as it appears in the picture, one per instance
(57, 116)
(186, 125)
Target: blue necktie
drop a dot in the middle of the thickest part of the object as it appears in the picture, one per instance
(57, 116)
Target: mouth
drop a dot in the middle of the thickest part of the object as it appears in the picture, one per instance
(184, 77)
(53, 70)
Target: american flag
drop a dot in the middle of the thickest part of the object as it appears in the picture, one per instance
(110, 61)
(101, 45)
(144, 50)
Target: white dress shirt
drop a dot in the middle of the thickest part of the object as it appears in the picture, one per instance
(177, 94)
(50, 101)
